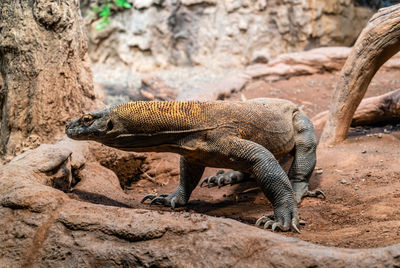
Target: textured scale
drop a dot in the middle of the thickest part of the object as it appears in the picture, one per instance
(253, 122)
(246, 136)
(153, 116)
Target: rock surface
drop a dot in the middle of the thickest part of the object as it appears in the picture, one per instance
(318, 60)
(42, 226)
(203, 83)
(152, 88)
(158, 34)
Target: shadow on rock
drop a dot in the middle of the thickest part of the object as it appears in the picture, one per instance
(98, 199)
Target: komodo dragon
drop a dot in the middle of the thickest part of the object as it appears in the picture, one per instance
(246, 136)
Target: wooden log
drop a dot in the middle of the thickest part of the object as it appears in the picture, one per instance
(379, 41)
(371, 111)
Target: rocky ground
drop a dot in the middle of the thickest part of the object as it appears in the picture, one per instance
(78, 203)
(60, 208)
(361, 177)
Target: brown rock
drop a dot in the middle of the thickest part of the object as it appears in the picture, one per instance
(41, 226)
(153, 88)
(126, 165)
(219, 90)
(318, 60)
(99, 185)
(301, 63)
(49, 160)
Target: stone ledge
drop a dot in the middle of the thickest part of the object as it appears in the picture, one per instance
(68, 232)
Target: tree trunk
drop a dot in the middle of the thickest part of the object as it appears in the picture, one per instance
(379, 41)
(371, 111)
(46, 80)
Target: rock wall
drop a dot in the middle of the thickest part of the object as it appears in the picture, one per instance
(157, 33)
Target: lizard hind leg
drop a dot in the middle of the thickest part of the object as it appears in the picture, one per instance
(190, 174)
(304, 158)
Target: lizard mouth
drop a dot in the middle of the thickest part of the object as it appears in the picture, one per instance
(74, 134)
(75, 131)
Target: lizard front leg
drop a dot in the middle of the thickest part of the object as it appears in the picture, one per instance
(276, 187)
(190, 174)
(273, 181)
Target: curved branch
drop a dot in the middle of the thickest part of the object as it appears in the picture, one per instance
(379, 41)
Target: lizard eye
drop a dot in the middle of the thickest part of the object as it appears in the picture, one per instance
(87, 119)
(110, 125)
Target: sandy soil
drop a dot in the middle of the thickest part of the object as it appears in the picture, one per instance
(361, 178)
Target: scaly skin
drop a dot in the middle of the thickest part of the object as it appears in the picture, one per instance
(246, 136)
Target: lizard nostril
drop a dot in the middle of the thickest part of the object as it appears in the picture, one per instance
(68, 126)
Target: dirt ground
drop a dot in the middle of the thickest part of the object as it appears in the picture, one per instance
(361, 178)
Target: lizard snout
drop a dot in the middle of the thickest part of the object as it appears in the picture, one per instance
(68, 126)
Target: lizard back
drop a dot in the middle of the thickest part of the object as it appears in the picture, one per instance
(264, 121)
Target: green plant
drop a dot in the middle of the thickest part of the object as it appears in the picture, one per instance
(103, 11)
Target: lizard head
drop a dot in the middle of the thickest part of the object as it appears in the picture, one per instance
(92, 126)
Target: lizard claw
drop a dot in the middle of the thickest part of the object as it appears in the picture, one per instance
(285, 228)
(223, 178)
(158, 200)
(282, 220)
(212, 180)
(152, 197)
(263, 219)
(315, 193)
(301, 191)
(220, 171)
(208, 180)
(294, 225)
(171, 200)
(269, 224)
(275, 225)
(149, 196)
(224, 181)
(280, 227)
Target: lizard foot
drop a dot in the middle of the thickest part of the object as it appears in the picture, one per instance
(284, 219)
(269, 222)
(301, 191)
(169, 200)
(223, 178)
(315, 193)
